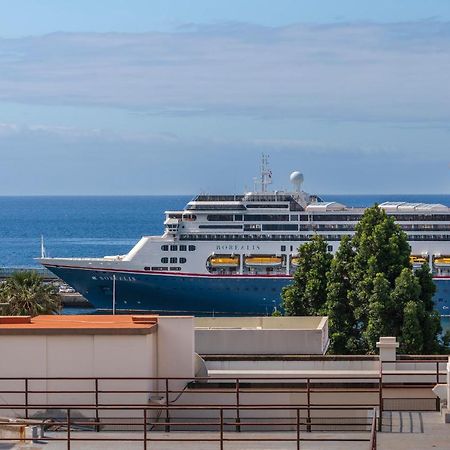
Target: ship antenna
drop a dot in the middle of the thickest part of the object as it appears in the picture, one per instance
(43, 252)
(266, 173)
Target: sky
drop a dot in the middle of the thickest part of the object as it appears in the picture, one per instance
(180, 97)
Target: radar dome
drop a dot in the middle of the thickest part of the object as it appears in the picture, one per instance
(296, 179)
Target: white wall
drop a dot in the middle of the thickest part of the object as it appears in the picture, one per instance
(77, 356)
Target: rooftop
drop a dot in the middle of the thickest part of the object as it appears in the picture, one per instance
(261, 323)
(78, 324)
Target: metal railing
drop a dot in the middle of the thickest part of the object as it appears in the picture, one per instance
(221, 426)
(162, 389)
(409, 380)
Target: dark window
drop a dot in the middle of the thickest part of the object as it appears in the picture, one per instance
(159, 268)
(173, 260)
(280, 227)
(238, 217)
(182, 260)
(421, 217)
(270, 205)
(146, 268)
(220, 217)
(221, 207)
(183, 248)
(283, 248)
(294, 217)
(221, 227)
(330, 248)
(336, 217)
(192, 248)
(164, 260)
(266, 217)
(177, 269)
(164, 248)
(173, 248)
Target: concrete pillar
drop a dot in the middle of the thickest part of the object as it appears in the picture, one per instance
(388, 348)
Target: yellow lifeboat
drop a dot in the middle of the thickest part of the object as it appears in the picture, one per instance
(295, 261)
(224, 261)
(415, 260)
(442, 262)
(264, 261)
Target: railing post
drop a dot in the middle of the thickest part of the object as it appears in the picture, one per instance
(97, 418)
(167, 406)
(238, 402)
(298, 429)
(221, 428)
(145, 429)
(308, 399)
(438, 400)
(68, 429)
(380, 403)
(26, 398)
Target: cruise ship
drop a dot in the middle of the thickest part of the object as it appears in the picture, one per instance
(232, 254)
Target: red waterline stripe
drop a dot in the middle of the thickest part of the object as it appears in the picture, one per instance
(154, 272)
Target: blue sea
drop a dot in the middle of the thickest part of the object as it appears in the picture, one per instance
(99, 226)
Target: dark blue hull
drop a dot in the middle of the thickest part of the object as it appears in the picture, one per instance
(176, 293)
(193, 294)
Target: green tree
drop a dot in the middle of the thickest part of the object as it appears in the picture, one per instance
(26, 294)
(430, 321)
(370, 290)
(379, 321)
(341, 318)
(380, 247)
(412, 339)
(306, 295)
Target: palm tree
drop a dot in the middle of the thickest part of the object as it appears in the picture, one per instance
(26, 294)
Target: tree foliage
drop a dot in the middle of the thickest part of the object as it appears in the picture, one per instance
(26, 294)
(368, 289)
(306, 296)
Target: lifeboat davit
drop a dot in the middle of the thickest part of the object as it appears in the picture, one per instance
(263, 261)
(224, 261)
(442, 262)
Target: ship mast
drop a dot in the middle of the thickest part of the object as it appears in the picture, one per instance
(266, 173)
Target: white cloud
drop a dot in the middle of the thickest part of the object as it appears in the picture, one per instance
(369, 72)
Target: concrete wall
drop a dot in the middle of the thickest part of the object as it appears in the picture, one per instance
(77, 356)
(261, 335)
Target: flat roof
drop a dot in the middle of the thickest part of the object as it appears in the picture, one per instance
(78, 324)
(261, 323)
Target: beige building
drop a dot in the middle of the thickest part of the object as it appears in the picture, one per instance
(90, 346)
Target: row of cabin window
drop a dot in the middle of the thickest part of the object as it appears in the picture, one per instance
(175, 248)
(314, 227)
(283, 248)
(295, 237)
(172, 260)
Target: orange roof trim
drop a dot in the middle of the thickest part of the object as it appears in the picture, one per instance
(78, 324)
